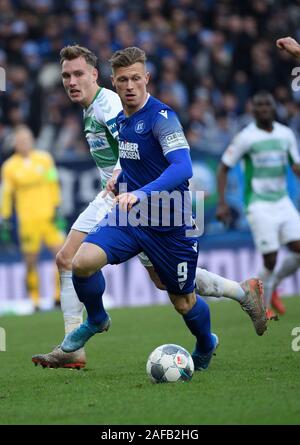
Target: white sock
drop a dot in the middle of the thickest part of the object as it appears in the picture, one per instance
(288, 267)
(71, 307)
(211, 284)
(268, 278)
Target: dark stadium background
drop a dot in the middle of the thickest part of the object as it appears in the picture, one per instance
(206, 59)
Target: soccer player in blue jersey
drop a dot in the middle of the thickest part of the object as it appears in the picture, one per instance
(155, 157)
(101, 106)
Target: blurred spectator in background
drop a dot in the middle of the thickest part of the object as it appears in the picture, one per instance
(30, 184)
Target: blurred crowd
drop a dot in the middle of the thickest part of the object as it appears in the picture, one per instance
(206, 59)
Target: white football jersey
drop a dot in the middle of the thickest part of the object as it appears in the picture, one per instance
(100, 130)
(266, 156)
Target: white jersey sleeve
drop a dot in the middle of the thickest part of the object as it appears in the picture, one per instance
(107, 107)
(236, 150)
(293, 149)
(118, 165)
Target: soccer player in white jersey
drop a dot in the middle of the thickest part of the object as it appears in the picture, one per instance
(267, 147)
(100, 108)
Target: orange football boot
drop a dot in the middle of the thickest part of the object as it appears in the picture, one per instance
(271, 315)
(277, 302)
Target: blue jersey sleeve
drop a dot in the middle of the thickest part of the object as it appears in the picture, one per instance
(179, 170)
(168, 131)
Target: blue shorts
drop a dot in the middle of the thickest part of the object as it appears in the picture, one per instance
(173, 255)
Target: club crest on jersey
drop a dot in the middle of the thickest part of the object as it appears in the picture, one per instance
(139, 127)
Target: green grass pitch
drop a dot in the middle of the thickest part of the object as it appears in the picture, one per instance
(252, 380)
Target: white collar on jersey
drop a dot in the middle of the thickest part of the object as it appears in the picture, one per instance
(147, 98)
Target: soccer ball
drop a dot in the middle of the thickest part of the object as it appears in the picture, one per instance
(170, 363)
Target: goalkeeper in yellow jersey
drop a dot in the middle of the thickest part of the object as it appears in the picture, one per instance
(30, 185)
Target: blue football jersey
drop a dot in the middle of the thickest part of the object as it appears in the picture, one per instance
(145, 138)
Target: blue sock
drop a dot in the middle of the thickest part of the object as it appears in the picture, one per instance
(90, 291)
(198, 322)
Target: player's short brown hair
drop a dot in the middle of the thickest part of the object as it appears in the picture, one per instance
(71, 52)
(127, 57)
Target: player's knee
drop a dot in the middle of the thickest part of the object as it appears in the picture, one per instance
(63, 260)
(182, 306)
(81, 267)
(183, 303)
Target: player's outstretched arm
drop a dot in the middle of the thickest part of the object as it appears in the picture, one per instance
(111, 185)
(179, 170)
(222, 211)
(290, 45)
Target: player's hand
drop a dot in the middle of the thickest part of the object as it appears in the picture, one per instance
(290, 45)
(111, 184)
(6, 231)
(223, 214)
(126, 201)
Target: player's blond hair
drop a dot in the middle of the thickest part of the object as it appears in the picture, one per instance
(72, 52)
(127, 57)
(22, 127)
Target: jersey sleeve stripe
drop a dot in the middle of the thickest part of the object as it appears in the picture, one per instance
(185, 147)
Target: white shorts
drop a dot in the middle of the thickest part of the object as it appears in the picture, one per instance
(95, 211)
(273, 224)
